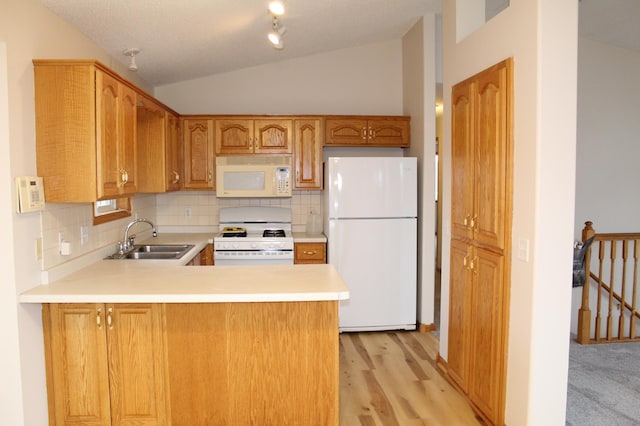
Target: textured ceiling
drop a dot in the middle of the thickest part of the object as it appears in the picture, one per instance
(182, 40)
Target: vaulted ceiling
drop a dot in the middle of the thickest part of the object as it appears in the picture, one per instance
(190, 39)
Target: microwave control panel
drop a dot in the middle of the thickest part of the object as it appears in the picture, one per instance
(283, 181)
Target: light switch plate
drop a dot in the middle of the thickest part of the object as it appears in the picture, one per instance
(523, 249)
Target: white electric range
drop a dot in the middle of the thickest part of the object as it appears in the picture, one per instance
(254, 236)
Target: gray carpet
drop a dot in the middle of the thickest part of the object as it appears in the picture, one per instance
(604, 384)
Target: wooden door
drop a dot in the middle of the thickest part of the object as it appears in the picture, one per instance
(307, 154)
(345, 131)
(174, 160)
(127, 157)
(234, 136)
(109, 172)
(487, 329)
(273, 136)
(151, 137)
(137, 366)
(459, 313)
(462, 178)
(491, 154)
(77, 372)
(198, 154)
(388, 132)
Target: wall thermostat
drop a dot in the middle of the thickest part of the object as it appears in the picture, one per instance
(29, 194)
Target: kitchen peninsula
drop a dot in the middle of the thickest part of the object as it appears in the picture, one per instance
(162, 344)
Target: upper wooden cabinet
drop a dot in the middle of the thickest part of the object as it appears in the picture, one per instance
(307, 153)
(85, 131)
(248, 135)
(159, 148)
(362, 130)
(199, 158)
(106, 364)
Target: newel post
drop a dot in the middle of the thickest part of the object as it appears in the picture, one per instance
(584, 314)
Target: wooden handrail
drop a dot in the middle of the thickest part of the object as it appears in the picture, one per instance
(614, 331)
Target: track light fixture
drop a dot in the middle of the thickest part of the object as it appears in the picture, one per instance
(132, 52)
(276, 9)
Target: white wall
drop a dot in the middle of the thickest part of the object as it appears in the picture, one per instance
(419, 98)
(11, 389)
(361, 80)
(607, 154)
(29, 31)
(541, 36)
(607, 172)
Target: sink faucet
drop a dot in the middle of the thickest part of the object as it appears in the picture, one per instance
(128, 240)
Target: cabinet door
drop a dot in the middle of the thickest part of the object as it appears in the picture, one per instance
(345, 131)
(307, 154)
(462, 179)
(116, 137)
(487, 352)
(388, 132)
(273, 136)
(174, 160)
(109, 171)
(198, 153)
(234, 136)
(137, 365)
(459, 307)
(127, 157)
(490, 139)
(77, 372)
(151, 146)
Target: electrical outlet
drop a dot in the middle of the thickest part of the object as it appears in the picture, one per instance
(84, 235)
(187, 212)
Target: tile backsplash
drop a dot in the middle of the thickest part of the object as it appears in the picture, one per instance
(184, 208)
(201, 208)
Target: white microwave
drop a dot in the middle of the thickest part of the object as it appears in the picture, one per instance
(253, 176)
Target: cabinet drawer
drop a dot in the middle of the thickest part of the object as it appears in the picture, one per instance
(310, 253)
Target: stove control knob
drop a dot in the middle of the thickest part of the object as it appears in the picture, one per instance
(254, 245)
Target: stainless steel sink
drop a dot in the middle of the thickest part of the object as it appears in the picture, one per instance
(154, 252)
(162, 248)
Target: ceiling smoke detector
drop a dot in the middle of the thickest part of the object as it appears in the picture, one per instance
(132, 52)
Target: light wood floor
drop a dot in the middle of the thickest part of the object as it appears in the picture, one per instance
(390, 378)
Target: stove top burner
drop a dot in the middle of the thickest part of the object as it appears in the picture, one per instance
(273, 233)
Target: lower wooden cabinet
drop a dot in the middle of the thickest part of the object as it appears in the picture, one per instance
(204, 258)
(175, 364)
(310, 253)
(106, 364)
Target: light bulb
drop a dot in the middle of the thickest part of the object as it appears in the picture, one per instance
(275, 38)
(276, 7)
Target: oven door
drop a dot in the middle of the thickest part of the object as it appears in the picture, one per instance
(252, 262)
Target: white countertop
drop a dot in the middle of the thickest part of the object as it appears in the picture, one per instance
(167, 281)
(303, 237)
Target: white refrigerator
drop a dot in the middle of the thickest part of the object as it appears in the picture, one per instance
(370, 218)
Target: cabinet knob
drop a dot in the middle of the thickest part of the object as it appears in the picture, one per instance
(210, 176)
(310, 253)
(364, 133)
(99, 318)
(176, 177)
